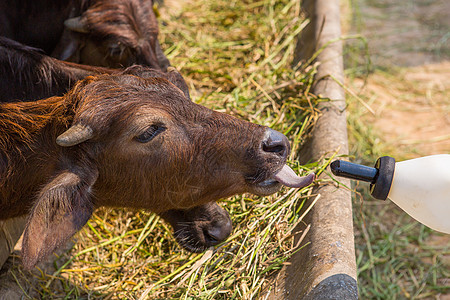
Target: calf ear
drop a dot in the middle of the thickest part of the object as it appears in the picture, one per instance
(62, 208)
(77, 24)
(175, 78)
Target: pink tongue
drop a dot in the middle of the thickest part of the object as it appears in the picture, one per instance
(287, 177)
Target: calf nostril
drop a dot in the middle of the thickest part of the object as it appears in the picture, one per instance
(276, 142)
(211, 239)
(217, 233)
(273, 148)
(214, 236)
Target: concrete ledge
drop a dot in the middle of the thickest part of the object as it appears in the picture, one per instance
(338, 286)
(326, 268)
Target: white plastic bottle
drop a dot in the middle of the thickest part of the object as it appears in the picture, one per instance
(421, 186)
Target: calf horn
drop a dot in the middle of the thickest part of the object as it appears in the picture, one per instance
(76, 24)
(75, 135)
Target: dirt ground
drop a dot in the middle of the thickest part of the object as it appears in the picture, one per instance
(411, 108)
(410, 40)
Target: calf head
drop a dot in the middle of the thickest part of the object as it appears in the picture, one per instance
(113, 34)
(141, 143)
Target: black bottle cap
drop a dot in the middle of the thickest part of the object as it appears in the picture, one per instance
(380, 177)
(382, 185)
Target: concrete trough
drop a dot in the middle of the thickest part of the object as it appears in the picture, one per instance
(326, 267)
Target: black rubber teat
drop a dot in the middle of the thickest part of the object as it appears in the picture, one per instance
(380, 177)
(353, 171)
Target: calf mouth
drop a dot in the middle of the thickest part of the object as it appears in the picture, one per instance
(285, 176)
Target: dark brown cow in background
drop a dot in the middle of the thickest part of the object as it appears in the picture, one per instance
(109, 33)
(113, 33)
(126, 141)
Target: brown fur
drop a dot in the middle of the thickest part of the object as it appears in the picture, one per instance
(118, 33)
(200, 157)
(27, 74)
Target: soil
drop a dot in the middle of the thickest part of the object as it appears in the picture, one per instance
(411, 108)
(411, 40)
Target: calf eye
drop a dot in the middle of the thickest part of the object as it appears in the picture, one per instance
(150, 133)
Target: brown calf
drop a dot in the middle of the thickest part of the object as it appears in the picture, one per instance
(126, 141)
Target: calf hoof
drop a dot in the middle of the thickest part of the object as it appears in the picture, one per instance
(201, 227)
